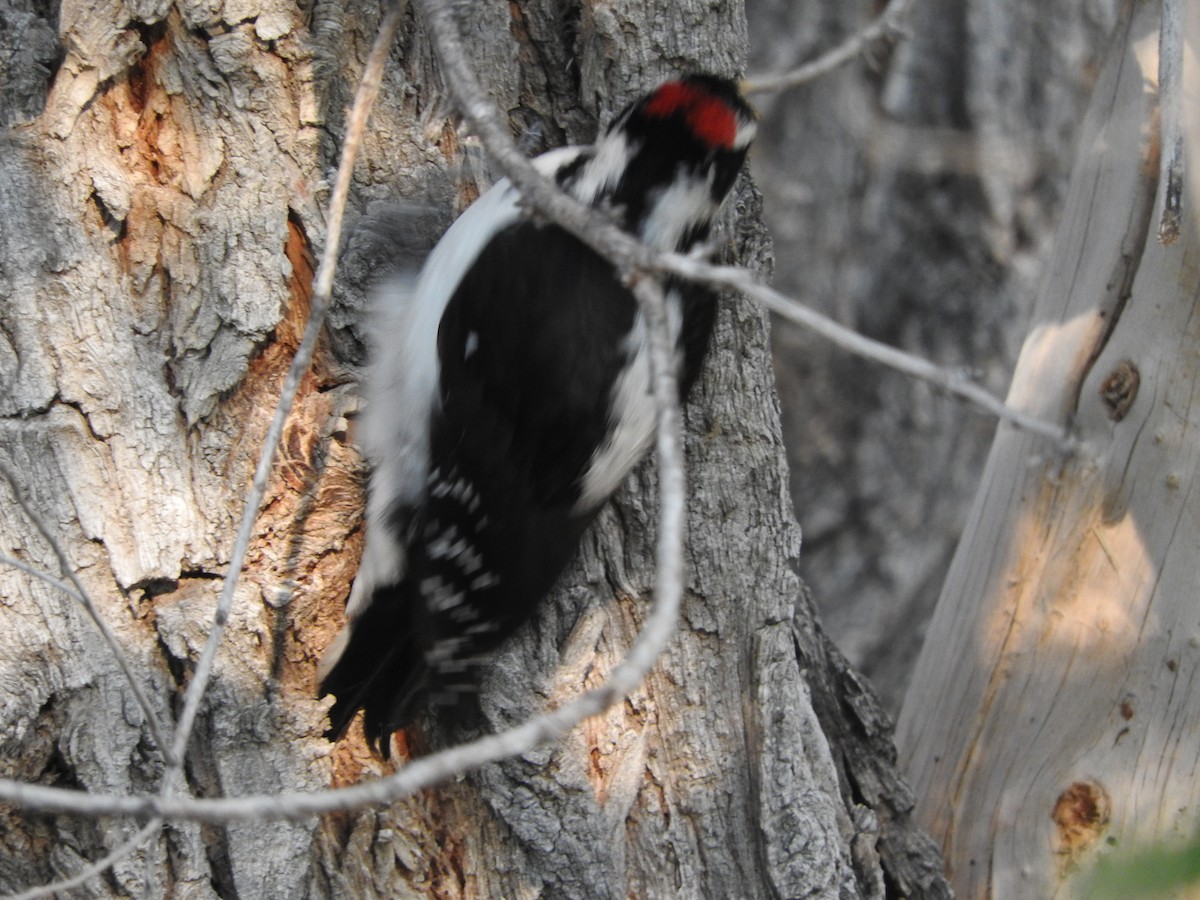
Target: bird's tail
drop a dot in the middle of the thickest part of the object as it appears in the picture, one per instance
(376, 664)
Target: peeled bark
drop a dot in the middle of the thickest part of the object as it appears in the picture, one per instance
(161, 216)
(1052, 715)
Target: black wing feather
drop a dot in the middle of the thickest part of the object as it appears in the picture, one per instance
(558, 353)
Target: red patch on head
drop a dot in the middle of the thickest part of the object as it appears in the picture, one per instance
(709, 117)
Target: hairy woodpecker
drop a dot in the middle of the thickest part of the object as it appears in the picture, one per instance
(509, 397)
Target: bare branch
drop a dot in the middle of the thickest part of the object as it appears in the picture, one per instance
(885, 27)
(629, 255)
(363, 101)
(440, 767)
(948, 380)
(97, 868)
(625, 252)
(668, 565)
(419, 774)
(57, 583)
(80, 595)
(537, 192)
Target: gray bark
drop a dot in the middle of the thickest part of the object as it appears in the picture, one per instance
(914, 197)
(161, 214)
(1052, 720)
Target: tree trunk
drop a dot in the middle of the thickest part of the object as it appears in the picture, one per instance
(161, 214)
(1052, 715)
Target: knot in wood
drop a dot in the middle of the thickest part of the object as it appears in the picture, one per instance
(1081, 814)
(1120, 388)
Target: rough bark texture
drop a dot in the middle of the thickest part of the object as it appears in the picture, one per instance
(914, 197)
(160, 217)
(1052, 715)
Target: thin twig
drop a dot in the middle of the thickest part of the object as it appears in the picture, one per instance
(594, 229)
(948, 380)
(417, 775)
(633, 258)
(442, 766)
(100, 866)
(886, 26)
(365, 98)
(432, 770)
(57, 583)
(668, 564)
(537, 192)
(630, 256)
(80, 595)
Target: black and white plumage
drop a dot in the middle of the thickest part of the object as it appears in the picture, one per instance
(510, 397)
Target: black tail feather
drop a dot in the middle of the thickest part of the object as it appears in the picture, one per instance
(381, 669)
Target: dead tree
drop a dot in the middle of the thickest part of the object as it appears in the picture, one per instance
(1052, 715)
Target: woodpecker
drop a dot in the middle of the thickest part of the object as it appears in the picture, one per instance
(509, 396)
